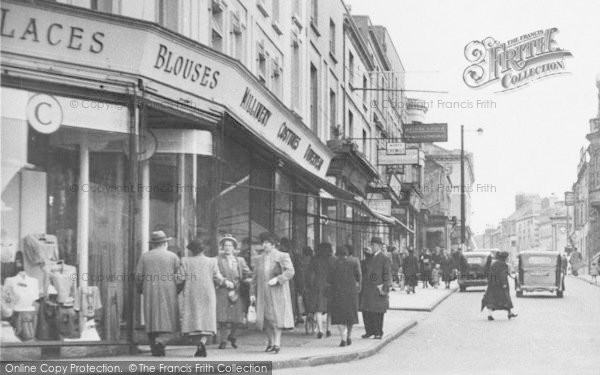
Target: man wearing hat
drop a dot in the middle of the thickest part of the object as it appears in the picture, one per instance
(156, 279)
(376, 284)
(410, 267)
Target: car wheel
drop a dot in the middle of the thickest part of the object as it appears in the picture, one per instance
(519, 294)
(559, 293)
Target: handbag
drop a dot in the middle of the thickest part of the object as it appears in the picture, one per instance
(233, 296)
(251, 316)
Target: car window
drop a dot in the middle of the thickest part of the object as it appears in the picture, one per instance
(476, 260)
(540, 260)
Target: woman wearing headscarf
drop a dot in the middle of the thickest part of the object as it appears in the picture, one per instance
(497, 295)
(270, 290)
(344, 281)
(199, 301)
(318, 272)
(230, 312)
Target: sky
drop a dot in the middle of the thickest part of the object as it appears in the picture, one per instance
(533, 135)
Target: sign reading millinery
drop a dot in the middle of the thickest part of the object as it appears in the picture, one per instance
(395, 148)
(382, 206)
(412, 156)
(569, 198)
(425, 133)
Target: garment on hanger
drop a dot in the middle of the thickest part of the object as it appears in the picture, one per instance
(38, 251)
(23, 291)
(63, 278)
(88, 301)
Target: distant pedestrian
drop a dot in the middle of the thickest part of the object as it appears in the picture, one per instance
(344, 281)
(396, 264)
(435, 276)
(594, 270)
(199, 299)
(376, 284)
(576, 262)
(156, 279)
(410, 267)
(300, 276)
(426, 267)
(318, 272)
(270, 291)
(230, 309)
(497, 295)
(446, 266)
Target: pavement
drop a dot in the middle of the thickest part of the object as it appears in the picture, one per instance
(425, 299)
(588, 279)
(550, 336)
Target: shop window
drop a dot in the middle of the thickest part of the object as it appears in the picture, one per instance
(330, 222)
(261, 198)
(283, 201)
(300, 220)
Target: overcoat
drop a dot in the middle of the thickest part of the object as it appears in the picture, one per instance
(497, 295)
(156, 277)
(376, 270)
(227, 311)
(447, 265)
(344, 280)
(410, 268)
(273, 303)
(199, 301)
(316, 278)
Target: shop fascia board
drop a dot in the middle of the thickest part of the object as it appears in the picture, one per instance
(144, 49)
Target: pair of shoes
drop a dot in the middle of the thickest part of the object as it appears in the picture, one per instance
(276, 349)
(233, 341)
(378, 337)
(512, 315)
(490, 317)
(201, 351)
(269, 348)
(222, 345)
(348, 341)
(328, 333)
(320, 335)
(366, 335)
(342, 343)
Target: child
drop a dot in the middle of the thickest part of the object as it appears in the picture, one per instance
(594, 272)
(435, 276)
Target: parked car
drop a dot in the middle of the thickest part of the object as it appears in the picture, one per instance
(476, 272)
(540, 271)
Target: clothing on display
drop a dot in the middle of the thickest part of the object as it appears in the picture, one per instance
(47, 328)
(68, 322)
(89, 333)
(38, 251)
(25, 323)
(22, 291)
(63, 278)
(88, 301)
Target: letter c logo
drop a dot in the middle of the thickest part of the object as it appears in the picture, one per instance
(44, 113)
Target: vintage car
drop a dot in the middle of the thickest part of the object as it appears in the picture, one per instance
(540, 270)
(474, 272)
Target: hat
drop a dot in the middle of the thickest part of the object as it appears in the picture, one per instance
(229, 237)
(267, 236)
(158, 237)
(195, 246)
(377, 240)
(502, 254)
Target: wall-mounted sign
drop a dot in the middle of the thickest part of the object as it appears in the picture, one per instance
(395, 148)
(425, 133)
(569, 198)
(44, 113)
(382, 206)
(412, 156)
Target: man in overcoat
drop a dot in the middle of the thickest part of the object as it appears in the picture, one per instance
(156, 277)
(376, 284)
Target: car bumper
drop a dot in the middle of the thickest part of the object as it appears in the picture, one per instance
(472, 282)
(537, 288)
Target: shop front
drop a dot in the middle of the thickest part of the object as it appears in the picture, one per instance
(99, 148)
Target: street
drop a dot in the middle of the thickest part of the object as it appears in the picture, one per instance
(550, 336)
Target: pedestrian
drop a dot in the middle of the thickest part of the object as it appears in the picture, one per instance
(318, 272)
(156, 279)
(287, 246)
(410, 267)
(576, 262)
(301, 283)
(435, 276)
(199, 300)
(446, 265)
(376, 283)
(396, 264)
(270, 291)
(345, 281)
(230, 309)
(594, 270)
(426, 267)
(497, 295)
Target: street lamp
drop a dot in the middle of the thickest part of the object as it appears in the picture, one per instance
(462, 184)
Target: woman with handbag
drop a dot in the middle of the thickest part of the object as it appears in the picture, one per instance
(270, 290)
(230, 311)
(199, 275)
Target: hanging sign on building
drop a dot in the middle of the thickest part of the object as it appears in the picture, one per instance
(395, 148)
(569, 198)
(382, 206)
(425, 133)
(412, 156)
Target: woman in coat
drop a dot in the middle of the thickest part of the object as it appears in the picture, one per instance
(426, 267)
(410, 268)
(344, 280)
(497, 295)
(230, 311)
(199, 301)
(447, 266)
(270, 290)
(318, 271)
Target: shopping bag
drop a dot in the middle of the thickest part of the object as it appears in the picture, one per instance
(251, 316)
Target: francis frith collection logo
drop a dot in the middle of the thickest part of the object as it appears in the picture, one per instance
(514, 63)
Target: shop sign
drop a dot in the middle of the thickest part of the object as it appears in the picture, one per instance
(170, 66)
(569, 198)
(412, 156)
(395, 148)
(382, 206)
(420, 133)
(44, 113)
